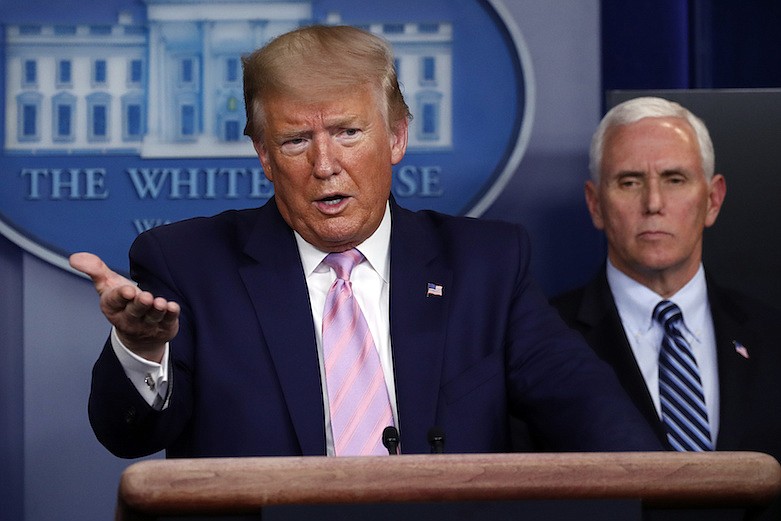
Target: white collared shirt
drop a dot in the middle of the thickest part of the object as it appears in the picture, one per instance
(636, 302)
(371, 287)
(371, 284)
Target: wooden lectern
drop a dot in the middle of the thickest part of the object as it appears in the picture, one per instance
(234, 486)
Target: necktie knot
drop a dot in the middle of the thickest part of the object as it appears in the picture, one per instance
(667, 314)
(344, 262)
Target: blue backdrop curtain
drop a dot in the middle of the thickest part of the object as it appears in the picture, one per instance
(690, 44)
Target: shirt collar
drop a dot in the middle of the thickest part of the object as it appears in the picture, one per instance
(375, 249)
(636, 302)
(693, 301)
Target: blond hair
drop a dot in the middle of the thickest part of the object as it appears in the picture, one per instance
(315, 59)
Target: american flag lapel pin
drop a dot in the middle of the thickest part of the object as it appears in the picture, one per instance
(433, 290)
(740, 349)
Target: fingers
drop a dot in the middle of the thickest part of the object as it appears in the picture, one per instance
(146, 323)
(116, 300)
(129, 308)
(150, 310)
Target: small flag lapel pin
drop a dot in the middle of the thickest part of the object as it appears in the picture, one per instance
(433, 290)
(740, 349)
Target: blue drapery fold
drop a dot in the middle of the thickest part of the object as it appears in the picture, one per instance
(690, 44)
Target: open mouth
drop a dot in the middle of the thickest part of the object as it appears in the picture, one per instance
(333, 204)
(332, 200)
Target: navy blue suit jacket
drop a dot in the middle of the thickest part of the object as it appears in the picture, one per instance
(245, 373)
(749, 388)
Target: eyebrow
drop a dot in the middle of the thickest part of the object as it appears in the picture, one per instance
(640, 173)
(338, 122)
(342, 121)
(629, 173)
(673, 171)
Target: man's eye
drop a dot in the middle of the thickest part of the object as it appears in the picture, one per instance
(293, 145)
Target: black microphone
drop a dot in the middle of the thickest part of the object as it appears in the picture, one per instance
(436, 438)
(390, 438)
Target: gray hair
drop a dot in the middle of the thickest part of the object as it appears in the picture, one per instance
(635, 109)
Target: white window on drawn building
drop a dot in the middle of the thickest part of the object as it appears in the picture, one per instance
(187, 118)
(133, 123)
(135, 73)
(100, 30)
(99, 73)
(98, 117)
(428, 70)
(28, 109)
(65, 30)
(30, 74)
(230, 118)
(187, 124)
(232, 131)
(64, 117)
(188, 72)
(64, 74)
(232, 71)
(429, 125)
(393, 28)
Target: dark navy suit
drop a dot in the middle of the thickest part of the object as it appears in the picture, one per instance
(245, 373)
(749, 388)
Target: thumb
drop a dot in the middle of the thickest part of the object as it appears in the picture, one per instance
(94, 267)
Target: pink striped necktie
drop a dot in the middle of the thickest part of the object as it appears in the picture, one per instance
(357, 395)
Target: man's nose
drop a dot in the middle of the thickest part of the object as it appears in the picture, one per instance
(654, 199)
(324, 161)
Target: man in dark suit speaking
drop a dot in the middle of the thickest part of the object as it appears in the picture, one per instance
(701, 362)
(309, 325)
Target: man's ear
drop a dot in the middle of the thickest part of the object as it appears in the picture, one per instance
(717, 191)
(399, 136)
(262, 152)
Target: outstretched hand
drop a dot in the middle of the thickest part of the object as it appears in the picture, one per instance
(143, 322)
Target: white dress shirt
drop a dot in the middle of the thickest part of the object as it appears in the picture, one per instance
(636, 304)
(371, 283)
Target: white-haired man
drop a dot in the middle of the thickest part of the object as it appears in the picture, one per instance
(700, 361)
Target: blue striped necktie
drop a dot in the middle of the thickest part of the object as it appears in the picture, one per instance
(680, 388)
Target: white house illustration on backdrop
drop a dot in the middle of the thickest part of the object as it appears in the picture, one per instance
(172, 87)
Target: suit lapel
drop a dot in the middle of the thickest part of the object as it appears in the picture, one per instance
(733, 369)
(605, 333)
(417, 323)
(599, 321)
(275, 281)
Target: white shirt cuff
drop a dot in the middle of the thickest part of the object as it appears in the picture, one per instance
(149, 378)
